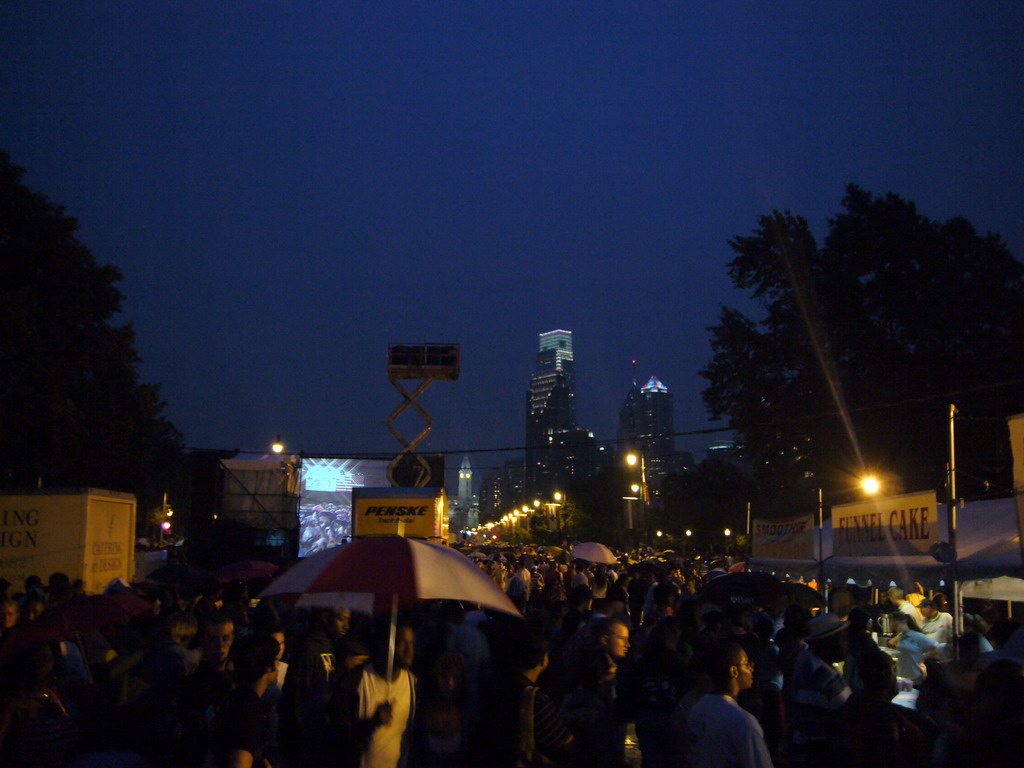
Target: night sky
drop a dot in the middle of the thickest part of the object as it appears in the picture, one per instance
(289, 186)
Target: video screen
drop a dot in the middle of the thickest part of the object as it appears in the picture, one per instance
(325, 499)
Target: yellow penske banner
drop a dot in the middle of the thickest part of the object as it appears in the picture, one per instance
(897, 525)
(419, 516)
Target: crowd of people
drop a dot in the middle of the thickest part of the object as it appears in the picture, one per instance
(210, 677)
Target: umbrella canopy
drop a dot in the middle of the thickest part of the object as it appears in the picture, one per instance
(72, 618)
(748, 588)
(594, 553)
(179, 573)
(803, 595)
(246, 570)
(84, 614)
(479, 556)
(369, 574)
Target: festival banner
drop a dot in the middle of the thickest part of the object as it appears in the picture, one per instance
(896, 525)
(1016, 424)
(787, 539)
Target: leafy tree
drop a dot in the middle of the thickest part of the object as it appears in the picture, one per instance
(73, 411)
(863, 345)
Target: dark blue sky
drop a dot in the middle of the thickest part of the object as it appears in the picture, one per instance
(288, 187)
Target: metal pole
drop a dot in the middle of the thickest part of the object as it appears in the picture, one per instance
(821, 548)
(957, 601)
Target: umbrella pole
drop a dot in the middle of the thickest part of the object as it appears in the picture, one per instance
(391, 638)
(85, 661)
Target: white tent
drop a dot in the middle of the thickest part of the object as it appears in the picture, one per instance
(988, 545)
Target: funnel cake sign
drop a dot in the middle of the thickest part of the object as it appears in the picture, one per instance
(897, 525)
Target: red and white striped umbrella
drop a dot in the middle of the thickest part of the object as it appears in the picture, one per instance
(369, 574)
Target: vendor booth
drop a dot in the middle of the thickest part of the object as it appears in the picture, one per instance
(988, 544)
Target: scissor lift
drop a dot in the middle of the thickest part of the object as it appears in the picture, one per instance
(424, 363)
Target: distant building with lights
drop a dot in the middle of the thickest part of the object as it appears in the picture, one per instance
(465, 512)
(647, 424)
(550, 407)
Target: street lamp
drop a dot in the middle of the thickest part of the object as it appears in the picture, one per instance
(641, 489)
(870, 485)
(277, 446)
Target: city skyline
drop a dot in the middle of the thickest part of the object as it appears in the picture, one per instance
(289, 190)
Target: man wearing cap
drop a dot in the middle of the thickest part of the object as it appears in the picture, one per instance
(818, 692)
(913, 646)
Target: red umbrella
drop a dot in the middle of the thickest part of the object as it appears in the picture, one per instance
(84, 614)
(73, 618)
(372, 574)
(387, 572)
(246, 570)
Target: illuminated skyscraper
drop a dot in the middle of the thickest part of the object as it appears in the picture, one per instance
(550, 406)
(647, 423)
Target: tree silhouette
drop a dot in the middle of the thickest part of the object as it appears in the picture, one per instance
(73, 411)
(863, 345)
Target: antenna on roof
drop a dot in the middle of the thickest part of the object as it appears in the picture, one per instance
(634, 373)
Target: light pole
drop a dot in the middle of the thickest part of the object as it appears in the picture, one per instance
(632, 460)
(552, 508)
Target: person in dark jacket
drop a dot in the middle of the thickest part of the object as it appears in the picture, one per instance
(309, 685)
(499, 735)
(242, 728)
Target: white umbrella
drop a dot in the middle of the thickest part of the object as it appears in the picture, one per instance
(593, 552)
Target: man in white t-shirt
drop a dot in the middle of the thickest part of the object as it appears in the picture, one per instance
(898, 598)
(721, 734)
(388, 706)
(937, 625)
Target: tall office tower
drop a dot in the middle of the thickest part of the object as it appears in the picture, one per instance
(550, 407)
(647, 423)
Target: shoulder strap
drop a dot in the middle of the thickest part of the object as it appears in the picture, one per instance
(526, 742)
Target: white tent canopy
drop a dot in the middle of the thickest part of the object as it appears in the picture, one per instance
(988, 545)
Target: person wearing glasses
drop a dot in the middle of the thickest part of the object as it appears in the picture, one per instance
(720, 732)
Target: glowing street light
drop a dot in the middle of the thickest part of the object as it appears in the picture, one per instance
(689, 532)
(634, 488)
(870, 485)
(631, 459)
(728, 532)
(558, 495)
(277, 446)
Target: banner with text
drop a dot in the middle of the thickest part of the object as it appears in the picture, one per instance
(1017, 446)
(788, 539)
(897, 525)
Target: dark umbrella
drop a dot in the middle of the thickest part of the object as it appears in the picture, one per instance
(748, 588)
(803, 595)
(246, 570)
(179, 573)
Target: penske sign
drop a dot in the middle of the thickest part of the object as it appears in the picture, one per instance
(422, 513)
(897, 525)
